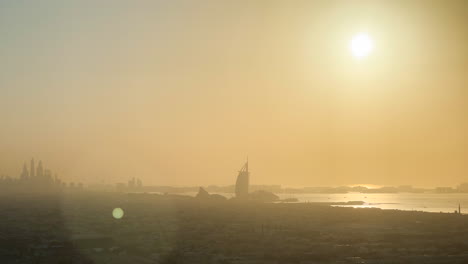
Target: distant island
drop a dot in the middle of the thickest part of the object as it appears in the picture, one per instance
(278, 189)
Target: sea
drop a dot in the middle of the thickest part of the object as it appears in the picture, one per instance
(427, 202)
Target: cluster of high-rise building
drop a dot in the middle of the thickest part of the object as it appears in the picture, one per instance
(135, 183)
(39, 174)
(34, 176)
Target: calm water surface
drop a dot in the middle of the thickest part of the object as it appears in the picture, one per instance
(428, 202)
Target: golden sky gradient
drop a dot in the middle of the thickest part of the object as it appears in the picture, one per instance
(181, 92)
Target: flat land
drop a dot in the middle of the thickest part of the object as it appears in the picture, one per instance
(78, 227)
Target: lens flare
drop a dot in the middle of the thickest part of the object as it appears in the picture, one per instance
(117, 213)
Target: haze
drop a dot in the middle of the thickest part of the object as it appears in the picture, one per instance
(181, 92)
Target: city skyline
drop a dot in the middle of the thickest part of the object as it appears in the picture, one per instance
(240, 188)
(234, 132)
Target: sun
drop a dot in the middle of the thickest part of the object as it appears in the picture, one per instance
(361, 45)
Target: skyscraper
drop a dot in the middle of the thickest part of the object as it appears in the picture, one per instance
(40, 170)
(25, 172)
(32, 170)
(242, 183)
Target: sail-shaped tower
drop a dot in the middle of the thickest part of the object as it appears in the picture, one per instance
(242, 183)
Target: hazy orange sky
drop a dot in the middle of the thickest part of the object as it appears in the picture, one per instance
(180, 92)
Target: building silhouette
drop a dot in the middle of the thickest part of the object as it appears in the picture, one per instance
(40, 171)
(242, 182)
(34, 179)
(32, 169)
(25, 173)
(133, 184)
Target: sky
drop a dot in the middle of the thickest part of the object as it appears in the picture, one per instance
(182, 92)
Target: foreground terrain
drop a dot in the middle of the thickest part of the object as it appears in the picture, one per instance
(78, 227)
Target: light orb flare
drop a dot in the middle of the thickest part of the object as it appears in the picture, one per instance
(118, 213)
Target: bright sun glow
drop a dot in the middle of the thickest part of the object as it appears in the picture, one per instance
(361, 45)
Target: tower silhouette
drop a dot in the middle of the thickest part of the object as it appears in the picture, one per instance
(40, 170)
(25, 172)
(32, 169)
(242, 182)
